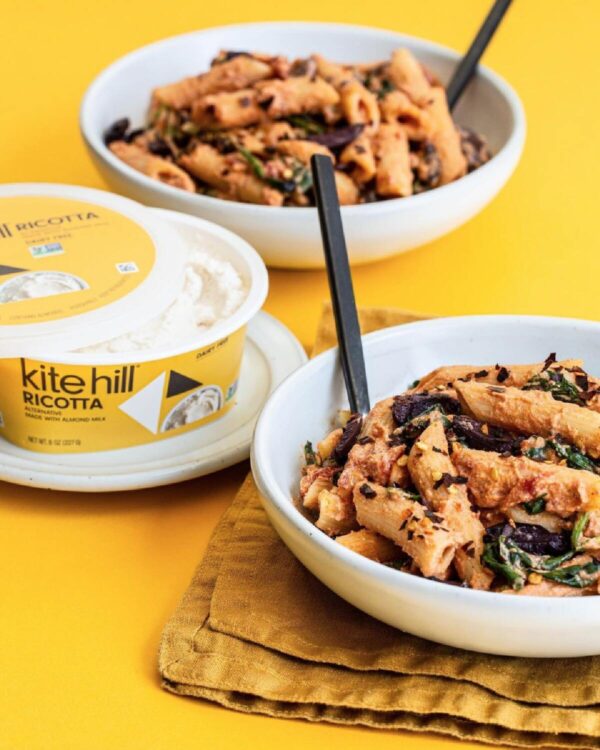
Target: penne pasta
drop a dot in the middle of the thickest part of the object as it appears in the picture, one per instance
(506, 375)
(317, 478)
(407, 74)
(347, 189)
(394, 515)
(227, 110)
(534, 412)
(445, 137)
(230, 176)
(239, 73)
(295, 96)
(154, 166)
(398, 107)
(359, 105)
(360, 155)
(370, 544)
(438, 483)
(336, 515)
(496, 481)
(394, 177)
(334, 74)
(302, 150)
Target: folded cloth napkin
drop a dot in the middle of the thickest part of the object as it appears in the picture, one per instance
(257, 632)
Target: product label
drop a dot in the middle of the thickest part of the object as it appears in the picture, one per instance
(73, 408)
(60, 257)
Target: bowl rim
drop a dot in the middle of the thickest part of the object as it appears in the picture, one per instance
(282, 503)
(511, 148)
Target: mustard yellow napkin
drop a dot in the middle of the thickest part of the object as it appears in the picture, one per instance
(256, 632)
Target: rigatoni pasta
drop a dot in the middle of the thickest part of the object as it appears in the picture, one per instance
(386, 126)
(487, 477)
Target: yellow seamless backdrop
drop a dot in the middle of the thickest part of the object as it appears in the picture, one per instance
(87, 582)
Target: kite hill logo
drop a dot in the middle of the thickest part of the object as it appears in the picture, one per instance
(52, 387)
(5, 232)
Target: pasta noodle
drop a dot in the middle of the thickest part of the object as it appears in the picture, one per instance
(239, 73)
(393, 176)
(359, 154)
(534, 412)
(445, 137)
(153, 166)
(409, 76)
(227, 110)
(229, 176)
(296, 96)
(370, 544)
(401, 519)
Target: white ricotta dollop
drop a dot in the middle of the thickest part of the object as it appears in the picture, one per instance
(39, 284)
(212, 291)
(194, 407)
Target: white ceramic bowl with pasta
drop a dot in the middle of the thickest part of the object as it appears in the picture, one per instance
(289, 236)
(304, 407)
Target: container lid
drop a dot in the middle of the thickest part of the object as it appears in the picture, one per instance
(80, 266)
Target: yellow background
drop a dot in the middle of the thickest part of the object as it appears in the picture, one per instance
(87, 582)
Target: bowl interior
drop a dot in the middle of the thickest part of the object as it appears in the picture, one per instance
(124, 89)
(305, 406)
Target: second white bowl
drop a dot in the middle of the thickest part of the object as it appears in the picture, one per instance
(303, 408)
(289, 237)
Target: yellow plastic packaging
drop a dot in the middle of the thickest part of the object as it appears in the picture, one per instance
(107, 268)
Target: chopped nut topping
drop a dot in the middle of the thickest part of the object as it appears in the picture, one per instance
(534, 578)
(436, 475)
(422, 446)
(402, 461)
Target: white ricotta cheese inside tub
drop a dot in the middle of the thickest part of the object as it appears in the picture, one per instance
(212, 291)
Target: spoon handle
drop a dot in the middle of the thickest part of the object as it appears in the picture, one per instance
(468, 64)
(340, 284)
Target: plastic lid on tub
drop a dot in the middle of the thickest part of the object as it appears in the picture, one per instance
(80, 266)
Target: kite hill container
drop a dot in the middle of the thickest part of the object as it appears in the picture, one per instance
(81, 267)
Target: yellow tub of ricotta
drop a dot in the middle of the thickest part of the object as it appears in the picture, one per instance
(119, 325)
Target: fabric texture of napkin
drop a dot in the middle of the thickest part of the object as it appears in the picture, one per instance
(256, 632)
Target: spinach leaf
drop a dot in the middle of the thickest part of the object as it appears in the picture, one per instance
(255, 164)
(555, 383)
(537, 453)
(306, 123)
(578, 529)
(537, 505)
(302, 178)
(503, 556)
(575, 458)
(257, 167)
(309, 454)
(577, 576)
(385, 88)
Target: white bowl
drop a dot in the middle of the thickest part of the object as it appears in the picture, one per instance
(289, 237)
(303, 407)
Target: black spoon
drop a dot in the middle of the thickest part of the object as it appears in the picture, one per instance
(468, 65)
(340, 284)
